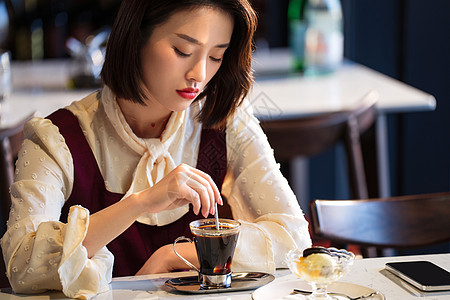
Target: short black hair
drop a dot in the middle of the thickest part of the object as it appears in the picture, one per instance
(136, 19)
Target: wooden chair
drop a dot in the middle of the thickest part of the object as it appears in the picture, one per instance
(11, 139)
(311, 136)
(402, 222)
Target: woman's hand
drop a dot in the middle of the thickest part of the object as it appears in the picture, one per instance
(183, 185)
(164, 260)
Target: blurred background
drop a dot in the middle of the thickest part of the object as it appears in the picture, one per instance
(39, 28)
(405, 39)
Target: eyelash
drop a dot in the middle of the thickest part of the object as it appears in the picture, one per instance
(182, 54)
(217, 60)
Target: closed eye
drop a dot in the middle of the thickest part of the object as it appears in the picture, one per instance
(178, 52)
(214, 59)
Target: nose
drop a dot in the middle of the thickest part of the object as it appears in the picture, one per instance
(197, 72)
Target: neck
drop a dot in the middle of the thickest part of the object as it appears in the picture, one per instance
(145, 121)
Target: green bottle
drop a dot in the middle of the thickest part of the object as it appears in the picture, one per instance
(297, 31)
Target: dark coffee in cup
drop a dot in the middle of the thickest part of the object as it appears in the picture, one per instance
(215, 249)
(215, 252)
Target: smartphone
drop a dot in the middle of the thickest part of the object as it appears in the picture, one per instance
(424, 275)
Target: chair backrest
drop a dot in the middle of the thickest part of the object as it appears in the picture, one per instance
(411, 221)
(311, 136)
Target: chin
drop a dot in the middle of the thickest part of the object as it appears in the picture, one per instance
(182, 106)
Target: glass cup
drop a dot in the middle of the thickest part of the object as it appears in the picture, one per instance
(215, 249)
(5, 75)
(320, 269)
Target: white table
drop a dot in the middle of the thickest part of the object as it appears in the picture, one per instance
(40, 86)
(367, 272)
(43, 102)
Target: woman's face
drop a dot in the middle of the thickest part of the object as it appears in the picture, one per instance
(183, 54)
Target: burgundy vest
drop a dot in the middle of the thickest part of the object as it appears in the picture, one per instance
(134, 246)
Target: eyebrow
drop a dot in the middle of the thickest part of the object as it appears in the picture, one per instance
(197, 42)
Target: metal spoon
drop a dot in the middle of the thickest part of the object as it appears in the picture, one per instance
(216, 215)
(297, 291)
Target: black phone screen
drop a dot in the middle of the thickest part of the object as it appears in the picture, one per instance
(423, 274)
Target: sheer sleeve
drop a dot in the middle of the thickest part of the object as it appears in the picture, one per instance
(260, 197)
(40, 252)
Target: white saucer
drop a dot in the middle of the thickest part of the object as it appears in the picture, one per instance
(282, 290)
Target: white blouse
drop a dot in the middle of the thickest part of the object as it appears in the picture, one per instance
(42, 253)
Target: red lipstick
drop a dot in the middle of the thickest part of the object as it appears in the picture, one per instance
(188, 93)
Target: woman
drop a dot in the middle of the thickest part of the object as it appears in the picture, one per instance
(120, 174)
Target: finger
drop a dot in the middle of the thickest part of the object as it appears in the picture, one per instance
(182, 198)
(195, 200)
(217, 195)
(185, 192)
(206, 181)
(202, 192)
(191, 196)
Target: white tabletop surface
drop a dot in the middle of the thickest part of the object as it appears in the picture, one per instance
(289, 96)
(42, 102)
(369, 273)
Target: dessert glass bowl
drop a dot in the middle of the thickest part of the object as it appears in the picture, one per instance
(320, 269)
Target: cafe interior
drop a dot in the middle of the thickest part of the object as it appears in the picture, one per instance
(365, 144)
